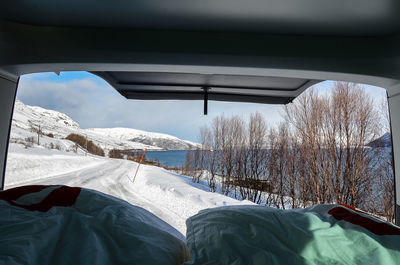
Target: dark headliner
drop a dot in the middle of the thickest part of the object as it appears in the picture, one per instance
(301, 17)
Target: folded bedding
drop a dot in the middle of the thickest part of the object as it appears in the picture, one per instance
(322, 234)
(65, 225)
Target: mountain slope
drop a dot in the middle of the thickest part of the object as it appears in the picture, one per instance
(149, 138)
(27, 120)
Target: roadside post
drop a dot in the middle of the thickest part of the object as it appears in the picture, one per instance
(140, 162)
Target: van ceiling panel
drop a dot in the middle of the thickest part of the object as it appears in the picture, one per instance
(318, 17)
(194, 86)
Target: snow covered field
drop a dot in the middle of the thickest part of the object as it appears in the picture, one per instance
(170, 196)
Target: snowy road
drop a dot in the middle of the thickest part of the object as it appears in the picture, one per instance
(169, 196)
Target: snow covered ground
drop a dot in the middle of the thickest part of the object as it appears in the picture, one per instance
(170, 196)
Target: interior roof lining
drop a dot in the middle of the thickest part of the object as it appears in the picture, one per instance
(340, 17)
(282, 91)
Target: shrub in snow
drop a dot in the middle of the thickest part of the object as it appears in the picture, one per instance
(115, 153)
(85, 143)
(53, 146)
(29, 141)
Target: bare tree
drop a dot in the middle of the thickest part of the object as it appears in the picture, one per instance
(305, 115)
(333, 133)
(257, 134)
(209, 145)
(317, 155)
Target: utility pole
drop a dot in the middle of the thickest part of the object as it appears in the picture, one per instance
(86, 145)
(38, 136)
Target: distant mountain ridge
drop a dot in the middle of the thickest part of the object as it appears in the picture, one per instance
(161, 140)
(27, 119)
(383, 141)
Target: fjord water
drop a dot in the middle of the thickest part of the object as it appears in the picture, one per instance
(170, 158)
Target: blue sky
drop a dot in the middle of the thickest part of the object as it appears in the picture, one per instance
(93, 103)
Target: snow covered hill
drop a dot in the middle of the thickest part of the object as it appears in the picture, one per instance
(55, 126)
(164, 141)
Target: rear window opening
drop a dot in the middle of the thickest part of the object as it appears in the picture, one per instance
(331, 145)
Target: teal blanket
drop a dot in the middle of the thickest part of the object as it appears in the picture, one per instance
(323, 234)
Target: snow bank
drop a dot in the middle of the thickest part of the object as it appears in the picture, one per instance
(37, 164)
